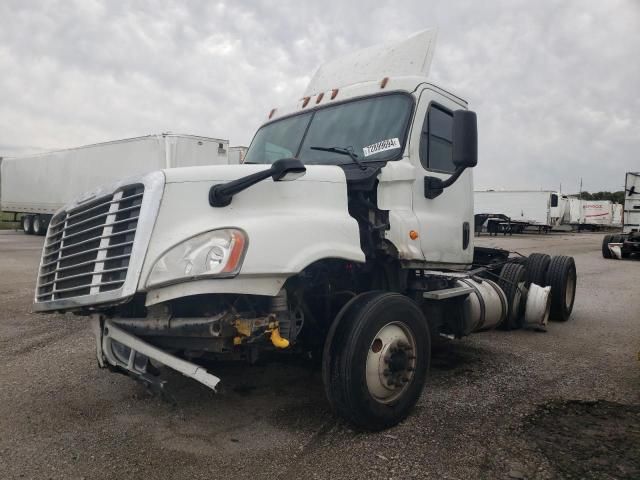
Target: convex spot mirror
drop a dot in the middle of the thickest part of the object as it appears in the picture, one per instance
(465, 139)
(287, 169)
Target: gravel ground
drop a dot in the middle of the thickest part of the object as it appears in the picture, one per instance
(523, 404)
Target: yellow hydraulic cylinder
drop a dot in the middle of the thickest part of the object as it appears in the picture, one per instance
(277, 340)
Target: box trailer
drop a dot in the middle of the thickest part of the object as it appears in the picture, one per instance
(535, 207)
(38, 185)
(237, 154)
(597, 212)
(628, 243)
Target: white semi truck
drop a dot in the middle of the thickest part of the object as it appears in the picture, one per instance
(628, 242)
(36, 186)
(345, 234)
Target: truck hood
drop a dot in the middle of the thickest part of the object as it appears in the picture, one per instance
(289, 225)
(226, 173)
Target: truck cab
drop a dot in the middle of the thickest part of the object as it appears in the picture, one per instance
(344, 235)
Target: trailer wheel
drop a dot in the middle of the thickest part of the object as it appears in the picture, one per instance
(512, 279)
(37, 225)
(27, 224)
(606, 253)
(375, 360)
(537, 266)
(561, 277)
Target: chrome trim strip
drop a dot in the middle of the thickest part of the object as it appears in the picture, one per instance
(124, 244)
(86, 274)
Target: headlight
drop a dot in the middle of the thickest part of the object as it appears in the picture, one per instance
(218, 253)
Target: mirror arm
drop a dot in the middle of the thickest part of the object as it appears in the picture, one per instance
(450, 181)
(220, 195)
(434, 186)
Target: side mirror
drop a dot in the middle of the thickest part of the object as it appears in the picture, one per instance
(283, 170)
(464, 153)
(465, 139)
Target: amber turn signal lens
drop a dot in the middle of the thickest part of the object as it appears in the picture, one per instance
(413, 235)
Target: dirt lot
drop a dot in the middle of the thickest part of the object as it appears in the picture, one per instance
(561, 404)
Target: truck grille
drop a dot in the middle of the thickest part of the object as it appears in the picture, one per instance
(88, 248)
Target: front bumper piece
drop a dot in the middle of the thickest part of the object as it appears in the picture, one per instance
(123, 351)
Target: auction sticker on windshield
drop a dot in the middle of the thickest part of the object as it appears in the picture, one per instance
(383, 146)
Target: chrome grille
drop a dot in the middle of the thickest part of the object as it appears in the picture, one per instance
(88, 248)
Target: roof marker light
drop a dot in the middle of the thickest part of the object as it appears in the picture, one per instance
(319, 99)
(305, 101)
(334, 93)
(273, 110)
(384, 82)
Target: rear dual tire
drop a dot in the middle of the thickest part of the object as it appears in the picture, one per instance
(27, 224)
(561, 277)
(376, 359)
(512, 280)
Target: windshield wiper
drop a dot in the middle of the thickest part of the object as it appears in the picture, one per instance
(342, 151)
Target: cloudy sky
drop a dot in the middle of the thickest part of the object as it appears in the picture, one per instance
(556, 84)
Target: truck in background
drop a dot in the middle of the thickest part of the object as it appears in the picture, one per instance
(541, 208)
(628, 242)
(36, 186)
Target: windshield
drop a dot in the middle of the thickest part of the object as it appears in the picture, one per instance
(374, 128)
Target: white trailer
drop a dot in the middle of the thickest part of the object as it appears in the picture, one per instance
(536, 207)
(237, 154)
(38, 185)
(597, 212)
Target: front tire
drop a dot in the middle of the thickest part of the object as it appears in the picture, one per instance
(376, 360)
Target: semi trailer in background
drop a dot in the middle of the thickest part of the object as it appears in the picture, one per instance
(628, 242)
(237, 154)
(592, 214)
(36, 186)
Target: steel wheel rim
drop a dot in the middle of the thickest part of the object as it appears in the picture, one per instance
(391, 362)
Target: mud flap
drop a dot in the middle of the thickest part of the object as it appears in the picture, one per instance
(119, 349)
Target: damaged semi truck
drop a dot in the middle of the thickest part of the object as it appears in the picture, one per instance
(346, 234)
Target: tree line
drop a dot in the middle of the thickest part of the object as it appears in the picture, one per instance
(615, 197)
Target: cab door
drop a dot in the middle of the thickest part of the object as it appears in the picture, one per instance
(446, 222)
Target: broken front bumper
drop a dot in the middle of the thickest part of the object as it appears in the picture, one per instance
(122, 350)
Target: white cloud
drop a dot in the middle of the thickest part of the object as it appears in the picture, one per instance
(554, 82)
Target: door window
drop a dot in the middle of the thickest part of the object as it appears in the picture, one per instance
(436, 142)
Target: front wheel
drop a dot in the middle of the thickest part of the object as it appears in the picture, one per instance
(376, 359)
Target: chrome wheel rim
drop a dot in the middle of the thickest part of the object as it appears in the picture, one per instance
(391, 362)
